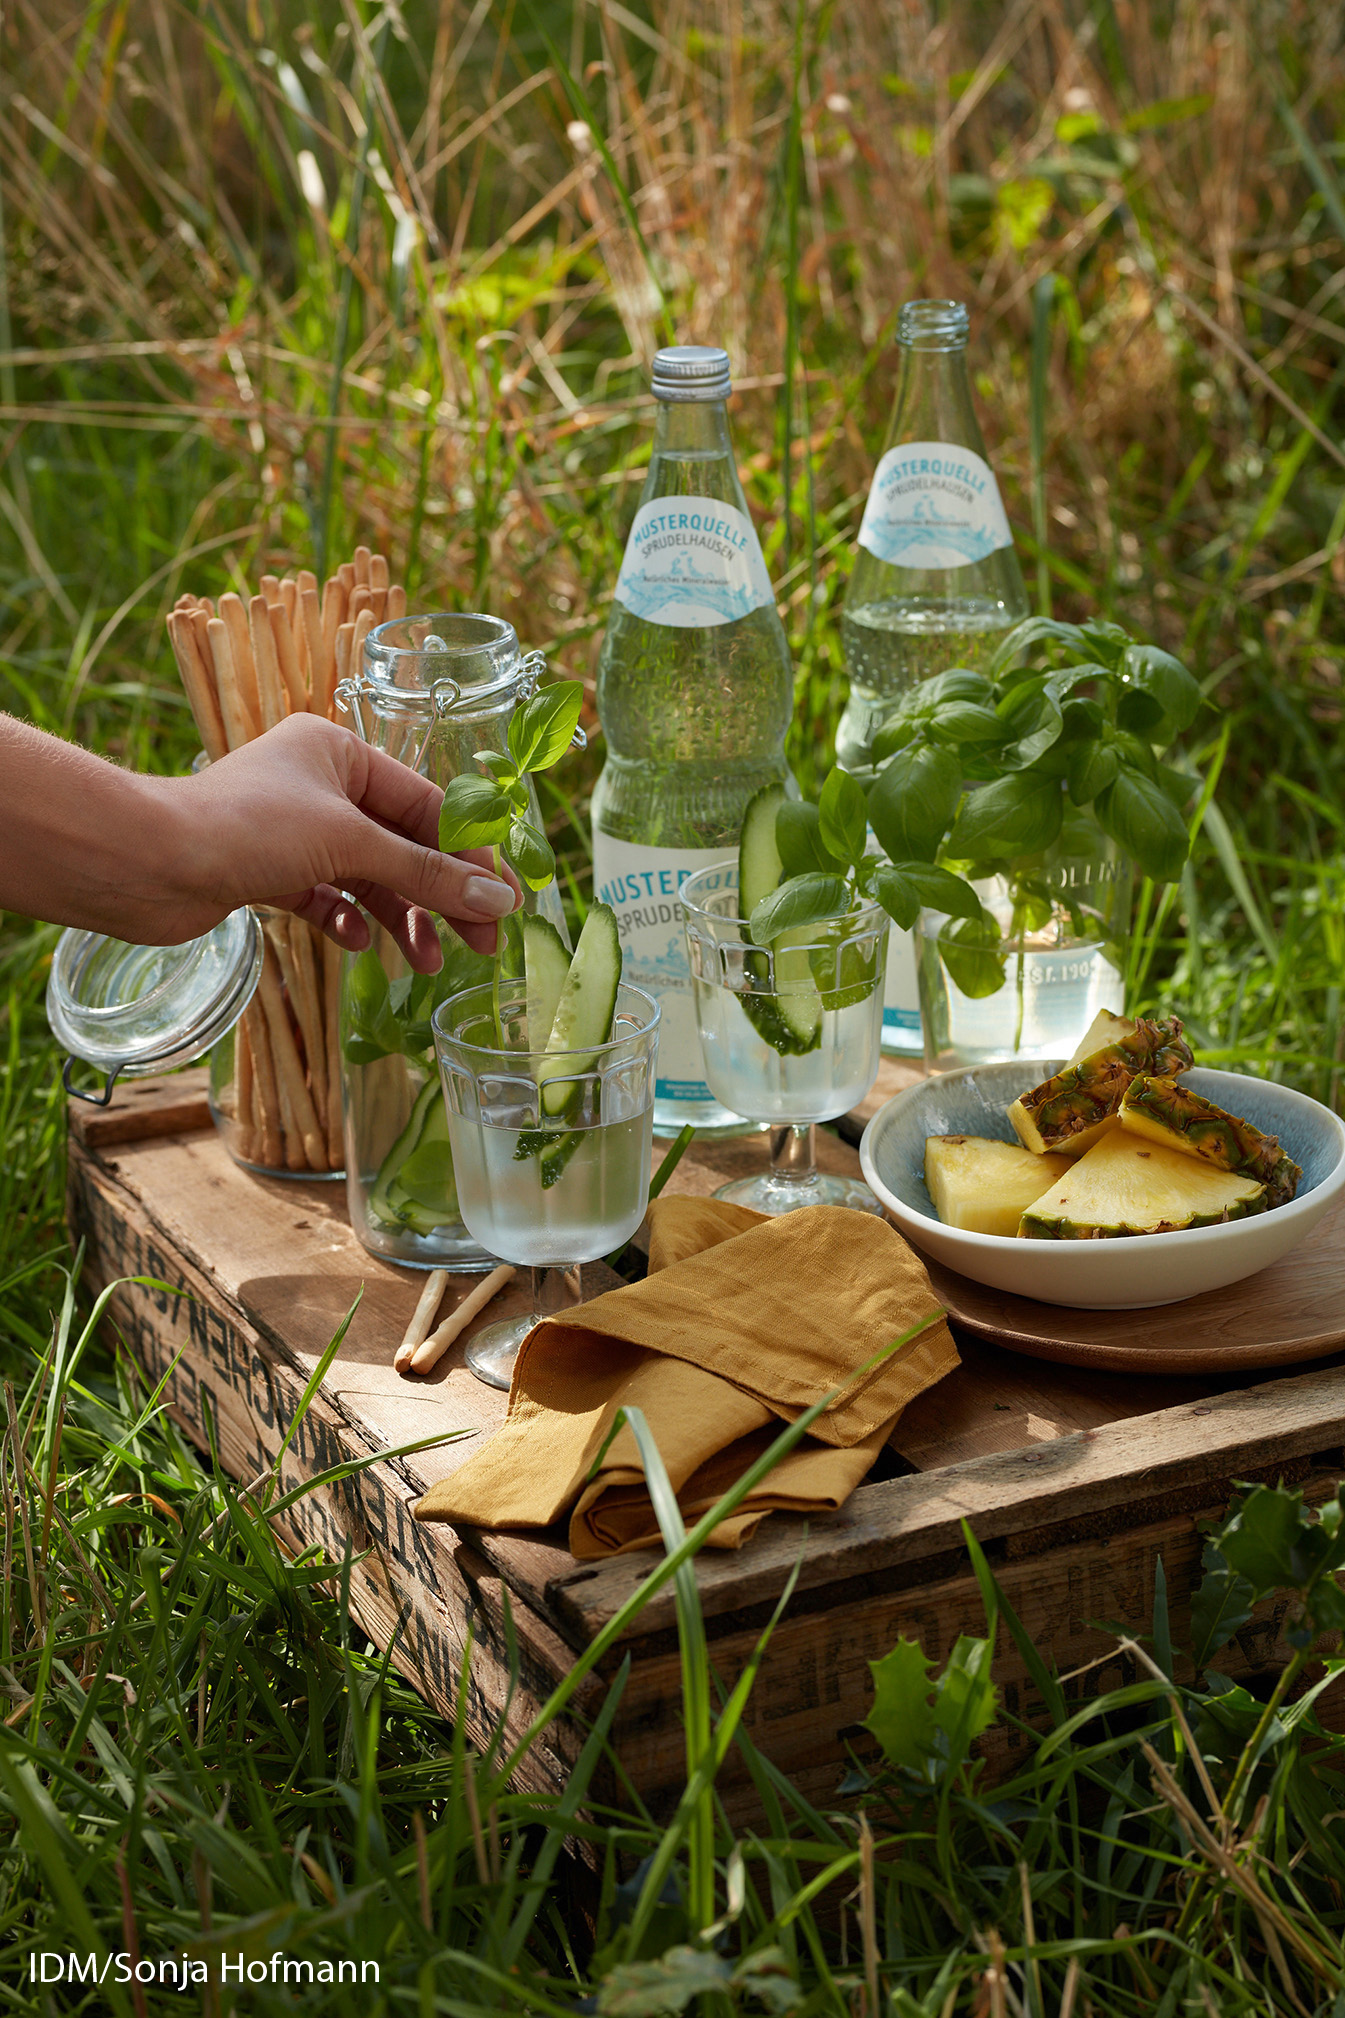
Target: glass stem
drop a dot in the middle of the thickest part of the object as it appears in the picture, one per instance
(794, 1154)
(547, 1292)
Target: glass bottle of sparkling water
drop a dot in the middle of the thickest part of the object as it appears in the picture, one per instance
(936, 582)
(695, 693)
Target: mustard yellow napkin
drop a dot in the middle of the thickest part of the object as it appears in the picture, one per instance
(743, 1321)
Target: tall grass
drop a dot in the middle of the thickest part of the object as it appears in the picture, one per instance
(275, 278)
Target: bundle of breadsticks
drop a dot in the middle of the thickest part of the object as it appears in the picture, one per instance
(245, 665)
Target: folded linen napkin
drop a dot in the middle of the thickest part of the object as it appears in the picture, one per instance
(743, 1321)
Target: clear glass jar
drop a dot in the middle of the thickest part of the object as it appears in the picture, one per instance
(434, 690)
(275, 1082)
(1030, 987)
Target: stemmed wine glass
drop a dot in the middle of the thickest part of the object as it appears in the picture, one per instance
(791, 1034)
(540, 1188)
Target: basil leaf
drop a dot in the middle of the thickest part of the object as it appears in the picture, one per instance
(1082, 718)
(529, 852)
(1091, 768)
(893, 736)
(1107, 640)
(972, 952)
(369, 1024)
(1141, 819)
(1150, 671)
(1017, 815)
(957, 684)
(799, 841)
(1180, 786)
(1138, 712)
(475, 814)
(913, 801)
(843, 817)
(904, 889)
(1030, 632)
(1034, 727)
(502, 768)
(540, 732)
(967, 722)
(803, 900)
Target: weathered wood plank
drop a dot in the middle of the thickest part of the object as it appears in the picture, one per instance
(170, 1104)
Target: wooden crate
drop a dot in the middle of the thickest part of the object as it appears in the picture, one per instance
(1075, 1482)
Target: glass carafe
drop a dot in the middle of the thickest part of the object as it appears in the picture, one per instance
(433, 691)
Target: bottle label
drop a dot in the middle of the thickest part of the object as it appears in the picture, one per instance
(641, 885)
(693, 562)
(934, 504)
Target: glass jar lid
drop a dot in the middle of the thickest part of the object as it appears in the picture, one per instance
(453, 662)
(132, 1010)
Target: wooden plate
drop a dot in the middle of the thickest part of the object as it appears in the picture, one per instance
(1290, 1312)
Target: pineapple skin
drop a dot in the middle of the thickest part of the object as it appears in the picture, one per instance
(1179, 1118)
(1070, 1112)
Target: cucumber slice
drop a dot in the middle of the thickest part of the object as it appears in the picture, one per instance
(759, 865)
(415, 1185)
(796, 992)
(584, 1012)
(546, 966)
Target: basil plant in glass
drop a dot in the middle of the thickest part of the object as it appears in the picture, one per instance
(1040, 782)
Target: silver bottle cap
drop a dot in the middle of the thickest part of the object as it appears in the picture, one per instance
(691, 371)
(933, 325)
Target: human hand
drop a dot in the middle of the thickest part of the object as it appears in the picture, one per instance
(308, 812)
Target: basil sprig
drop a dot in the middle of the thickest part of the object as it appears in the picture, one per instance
(494, 811)
(989, 771)
(1031, 745)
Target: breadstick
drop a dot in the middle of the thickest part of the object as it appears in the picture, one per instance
(270, 1148)
(243, 1093)
(199, 685)
(238, 727)
(345, 574)
(428, 1355)
(307, 1004)
(289, 596)
(333, 616)
(361, 599)
(236, 617)
(360, 629)
(362, 558)
(270, 587)
(306, 579)
(343, 661)
(294, 1093)
(270, 686)
(379, 574)
(422, 1318)
(287, 656)
(396, 609)
(331, 1003)
(319, 656)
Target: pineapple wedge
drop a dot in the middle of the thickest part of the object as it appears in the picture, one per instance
(1161, 1110)
(983, 1186)
(1073, 1110)
(1127, 1186)
(1104, 1029)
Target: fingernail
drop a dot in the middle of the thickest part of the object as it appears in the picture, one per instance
(489, 895)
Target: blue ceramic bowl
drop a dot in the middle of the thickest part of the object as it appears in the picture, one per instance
(1130, 1274)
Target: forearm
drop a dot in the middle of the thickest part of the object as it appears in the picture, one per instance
(82, 842)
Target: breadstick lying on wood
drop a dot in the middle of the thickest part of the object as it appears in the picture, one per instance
(422, 1319)
(427, 1356)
